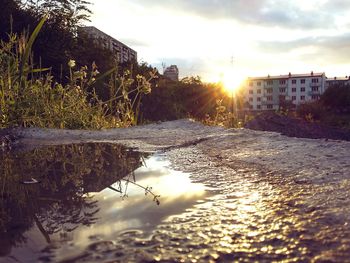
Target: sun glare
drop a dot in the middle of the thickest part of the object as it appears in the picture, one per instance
(232, 83)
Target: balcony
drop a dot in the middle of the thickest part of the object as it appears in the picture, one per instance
(314, 92)
(283, 85)
(315, 84)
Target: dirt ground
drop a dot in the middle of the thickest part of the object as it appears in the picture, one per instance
(294, 127)
(312, 176)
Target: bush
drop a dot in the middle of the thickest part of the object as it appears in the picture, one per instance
(311, 111)
(337, 97)
(27, 98)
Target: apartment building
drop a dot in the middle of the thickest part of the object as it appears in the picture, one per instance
(172, 73)
(272, 92)
(337, 81)
(122, 52)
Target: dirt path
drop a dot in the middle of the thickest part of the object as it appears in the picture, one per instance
(306, 178)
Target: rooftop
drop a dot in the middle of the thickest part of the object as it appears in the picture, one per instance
(268, 77)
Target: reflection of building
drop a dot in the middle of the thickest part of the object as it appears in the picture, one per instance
(122, 51)
(337, 81)
(269, 93)
(172, 73)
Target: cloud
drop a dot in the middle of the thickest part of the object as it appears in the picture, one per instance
(287, 14)
(335, 49)
(133, 42)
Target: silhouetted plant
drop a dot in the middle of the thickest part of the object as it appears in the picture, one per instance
(27, 98)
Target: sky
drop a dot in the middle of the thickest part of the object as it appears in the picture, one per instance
(232, 39)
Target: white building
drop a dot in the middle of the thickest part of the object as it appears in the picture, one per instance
(172, 73)
(123, 52)
(271, 92)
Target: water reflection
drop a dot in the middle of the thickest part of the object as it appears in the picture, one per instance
(86, 193)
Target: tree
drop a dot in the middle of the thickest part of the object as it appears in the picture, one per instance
(337, 97)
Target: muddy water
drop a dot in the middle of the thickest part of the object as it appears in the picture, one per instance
(90, 206)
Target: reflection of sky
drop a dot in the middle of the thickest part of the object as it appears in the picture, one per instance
(135, 212)
(138, 211)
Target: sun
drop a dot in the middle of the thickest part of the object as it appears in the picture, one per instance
(232, 83)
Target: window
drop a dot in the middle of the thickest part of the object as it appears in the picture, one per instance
(270, 90)
(302, 81)
(251, 107)
(302, 89)
(315, 88)
(269, 82)
(294, 97)
(251, 91)
(258, 83)
(269, 106)
(314, 80)
(250, 99)
(258, 91)
(294, 89)
(315, 97)
(269, 98)
(258, 98)
(250, 83)
(283, 81)
(282, 98)
(302, 97)
(294, 81)
(282, 90)
(258, 107)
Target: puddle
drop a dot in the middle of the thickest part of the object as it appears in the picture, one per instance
(86, 195)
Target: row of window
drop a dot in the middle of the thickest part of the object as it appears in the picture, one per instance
(283, 82)
(294, 98)
(283, 90)
(268, 106)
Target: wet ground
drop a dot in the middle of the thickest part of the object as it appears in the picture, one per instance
(242, 196)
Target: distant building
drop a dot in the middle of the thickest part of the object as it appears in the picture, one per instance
(172, 73)
(123, 52)
(337, 81)
(271, 92)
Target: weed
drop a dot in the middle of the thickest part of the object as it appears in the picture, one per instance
(27, 98)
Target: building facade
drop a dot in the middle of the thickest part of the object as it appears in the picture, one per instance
(122, 52)
(172, 73)
(337, 81)
(272, 92)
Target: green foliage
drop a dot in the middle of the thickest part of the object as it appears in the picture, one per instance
(182, 99)
(332, 109)
(27, 98)
(59, 40)
(337, 97)
(311, 111)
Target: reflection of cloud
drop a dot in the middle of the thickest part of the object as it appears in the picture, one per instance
(266, 12)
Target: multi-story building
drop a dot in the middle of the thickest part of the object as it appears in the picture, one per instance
(272, 92)
(172, 73)
(337, 81)
(123, 52)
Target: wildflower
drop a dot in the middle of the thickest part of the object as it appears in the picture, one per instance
(71, 63)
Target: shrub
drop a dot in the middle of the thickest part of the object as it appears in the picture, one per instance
(337, 97)
(29, 98)
(311, 111)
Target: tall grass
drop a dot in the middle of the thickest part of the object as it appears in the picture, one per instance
(30, 97)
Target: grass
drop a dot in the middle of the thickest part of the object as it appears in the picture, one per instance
(29, 96)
